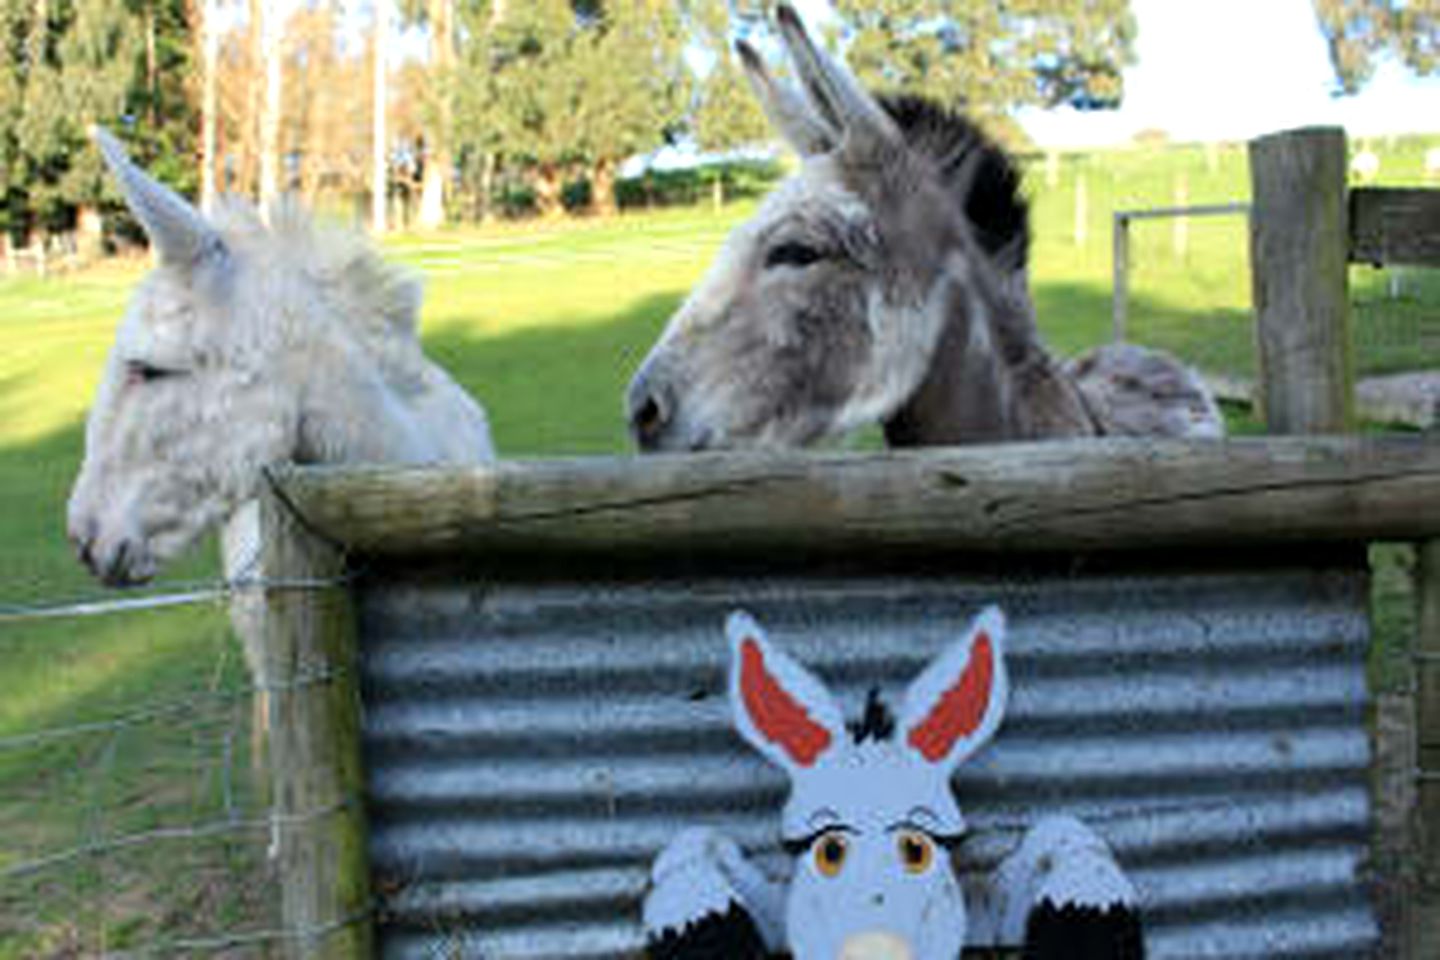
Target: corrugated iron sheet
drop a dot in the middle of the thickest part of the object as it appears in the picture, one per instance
(531, 747)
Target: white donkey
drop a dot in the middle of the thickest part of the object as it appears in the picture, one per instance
(249, 346)
(885, 282)
(870, 821)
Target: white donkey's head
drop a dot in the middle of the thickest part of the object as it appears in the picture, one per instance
(872, 813)
(185, 414)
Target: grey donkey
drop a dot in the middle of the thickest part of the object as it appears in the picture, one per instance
(885, 282)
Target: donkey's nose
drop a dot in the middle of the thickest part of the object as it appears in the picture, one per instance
(650, 412)
(82, 536)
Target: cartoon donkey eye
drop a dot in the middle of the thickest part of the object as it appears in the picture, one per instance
(916, 851)
(830, 851)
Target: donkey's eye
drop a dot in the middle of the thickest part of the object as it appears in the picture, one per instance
(138, 371)
(916, 851)
(830, 851)
(792, 255)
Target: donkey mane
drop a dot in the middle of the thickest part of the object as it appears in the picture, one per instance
(376, 301)
(990, 198)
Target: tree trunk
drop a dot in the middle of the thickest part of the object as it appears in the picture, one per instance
(210, 106)
(602, 188)
(486, 211)
(548, 187)
(717, 191)
(270, 148)
(438, 163)
(379, 175)
(248, 173)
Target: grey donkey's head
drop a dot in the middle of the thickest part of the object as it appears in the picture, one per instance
(823, 312)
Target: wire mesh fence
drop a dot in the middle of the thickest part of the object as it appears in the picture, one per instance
(1188, 284)
(134, 814)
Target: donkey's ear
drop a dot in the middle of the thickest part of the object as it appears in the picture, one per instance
(180, 234)
(834, 92)
(957, 703)
(782, 709)
(806, 131)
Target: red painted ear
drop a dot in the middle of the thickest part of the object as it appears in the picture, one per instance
(776, 715)
(782, 709)
(955, 705)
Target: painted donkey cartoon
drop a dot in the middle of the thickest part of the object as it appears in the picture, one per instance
(885, 282)
(870, 821)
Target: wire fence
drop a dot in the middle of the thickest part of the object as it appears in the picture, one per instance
(134, 811)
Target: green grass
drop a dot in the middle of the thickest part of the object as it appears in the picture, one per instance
(544, 324)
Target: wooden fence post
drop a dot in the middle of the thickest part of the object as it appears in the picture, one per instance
(1120, 305)
(1299, 252)
(1425, 914)
(315, 740)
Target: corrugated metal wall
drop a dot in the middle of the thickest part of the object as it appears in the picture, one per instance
(531, 747)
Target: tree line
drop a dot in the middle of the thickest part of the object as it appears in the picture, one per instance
(469, 108)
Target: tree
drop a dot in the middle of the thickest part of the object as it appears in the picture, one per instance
(74, 63)
(728, 115)
(630, 83)
(1359, 31)
(438, 17)
(272, 38)
(994, 55)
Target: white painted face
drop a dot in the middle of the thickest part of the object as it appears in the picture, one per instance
(183, 421)
(870, 816)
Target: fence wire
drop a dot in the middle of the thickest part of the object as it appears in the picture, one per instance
(134, 816)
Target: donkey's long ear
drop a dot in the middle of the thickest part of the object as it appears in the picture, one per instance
(834, 92)
(957, 703)
(782, 709)
(805, 130)
(180, 234)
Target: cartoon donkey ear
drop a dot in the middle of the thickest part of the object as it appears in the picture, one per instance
(782, 709)
(957, 703)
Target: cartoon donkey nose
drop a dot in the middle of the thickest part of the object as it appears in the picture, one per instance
(650, 408)
(875, 945)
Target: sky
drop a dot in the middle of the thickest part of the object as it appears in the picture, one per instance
(1235, 69)
(1232, 70)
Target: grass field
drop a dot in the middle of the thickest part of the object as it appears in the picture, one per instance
(544, 324)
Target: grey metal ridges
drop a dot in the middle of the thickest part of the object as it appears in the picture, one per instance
(531, 748)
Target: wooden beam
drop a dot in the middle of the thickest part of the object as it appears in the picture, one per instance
(1395, 227)
(1094, 495)
(314, 733)
(1299, 251)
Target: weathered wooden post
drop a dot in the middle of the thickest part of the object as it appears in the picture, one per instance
(1299, 252)
(1425, 913)
(314, 741)
(1120, 304)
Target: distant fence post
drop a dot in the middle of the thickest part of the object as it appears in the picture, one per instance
(1120, 303)
(1299, 251)
(315, 741)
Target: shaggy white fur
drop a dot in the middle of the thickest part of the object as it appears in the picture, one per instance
(250, 345)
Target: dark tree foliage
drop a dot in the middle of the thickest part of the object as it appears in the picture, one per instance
(1359, 31)
(990, 56)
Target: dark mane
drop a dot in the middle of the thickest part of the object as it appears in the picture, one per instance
(876, 723)
(994, 205)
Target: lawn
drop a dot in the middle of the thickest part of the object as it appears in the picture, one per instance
(544, 324)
